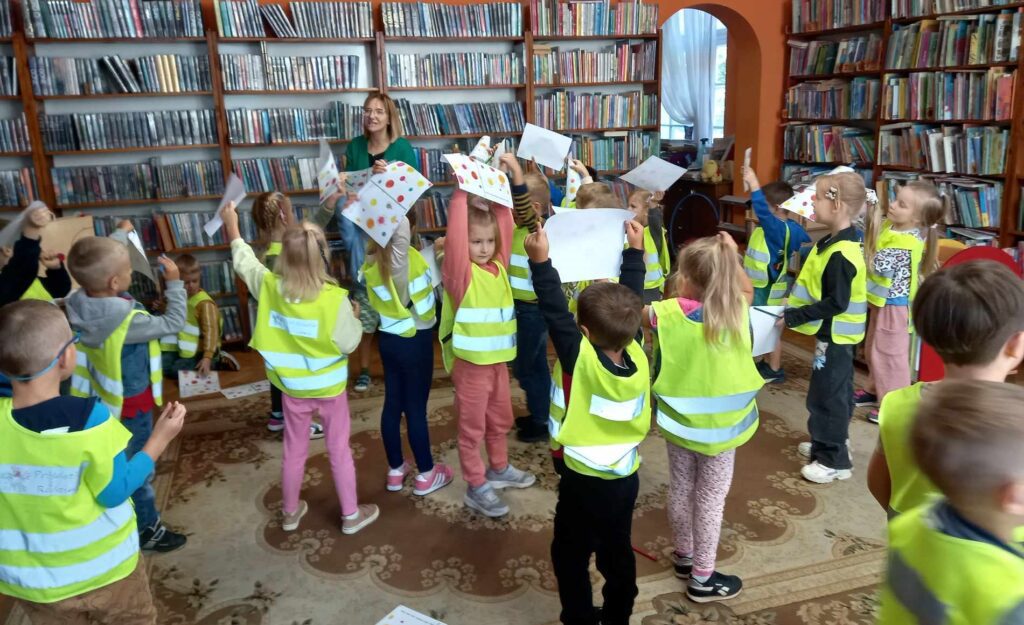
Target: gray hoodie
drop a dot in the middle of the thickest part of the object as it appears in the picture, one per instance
(97, 317)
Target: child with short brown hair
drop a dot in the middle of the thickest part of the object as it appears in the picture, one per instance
(198, 343)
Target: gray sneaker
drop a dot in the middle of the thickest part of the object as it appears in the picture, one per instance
(485, 501)
(511, 477)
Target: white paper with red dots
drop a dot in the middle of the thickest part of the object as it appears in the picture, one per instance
(191, 384)
(384, 199)
(327, 176)
(573, 181)
(407, 616)
(479, 179)
(356, 180)
(802, 203)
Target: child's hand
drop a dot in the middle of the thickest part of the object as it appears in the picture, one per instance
(229, 214)
(351, 199)
(355, 308)
(125, 225)
(5, 256)
(438, 246)
(35, 221)
(536, 245)
(203, 368)
(380, 166)
(333, 199)
(577, 166)
(511, 164)
(170, 422)
(750, 178)
(169, 267)
(725, 239)
(50, 259)
(635, 234)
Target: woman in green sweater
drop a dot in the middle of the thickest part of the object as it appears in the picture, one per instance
(381, 143)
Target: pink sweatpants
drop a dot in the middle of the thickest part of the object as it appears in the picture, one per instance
(697, 487)
(335, 418)
(484, 406)
(887, 346)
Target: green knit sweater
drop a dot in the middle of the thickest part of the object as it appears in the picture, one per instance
(357, 156)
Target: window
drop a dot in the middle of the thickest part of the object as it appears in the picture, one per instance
(671, 129)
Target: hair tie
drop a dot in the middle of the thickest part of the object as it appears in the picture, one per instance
(832, 193)
(872, 197)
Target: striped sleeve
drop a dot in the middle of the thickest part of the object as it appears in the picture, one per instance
(209, 328)
(525, 216)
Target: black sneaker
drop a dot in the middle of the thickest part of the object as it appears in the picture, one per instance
(682, 566)
(719, 587)
(161, 540)
(522, 422)
(532, 433)
(771, 376)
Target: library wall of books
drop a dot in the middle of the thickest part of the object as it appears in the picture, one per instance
(138, 109)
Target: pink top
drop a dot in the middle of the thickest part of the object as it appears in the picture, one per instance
(688, 306)
(457, 268)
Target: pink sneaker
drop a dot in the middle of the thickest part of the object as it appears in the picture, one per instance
(438, 477)
(397, 476)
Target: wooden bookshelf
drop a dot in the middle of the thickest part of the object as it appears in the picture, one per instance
(965, 12)
(845, 30)
(456, 87)
(101, 96)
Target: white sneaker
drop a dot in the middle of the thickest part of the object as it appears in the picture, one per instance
(820, 474)
(804, 449)
(511, 477)
(485, 501)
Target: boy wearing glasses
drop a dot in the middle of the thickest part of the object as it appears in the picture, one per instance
(69, 544)
(119, 357)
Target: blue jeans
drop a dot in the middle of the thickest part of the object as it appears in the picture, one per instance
(408, 374)
(531, 364)
(144, 498)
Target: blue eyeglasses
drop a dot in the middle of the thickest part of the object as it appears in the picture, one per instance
(75, 338)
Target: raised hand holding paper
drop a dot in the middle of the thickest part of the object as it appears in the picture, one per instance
(480, 179)
(587, 244)
(654, 174)
(546, 147)
(384, 199)
(137, 255)
(12, 231)
(766, 332)
(234, 191)
(327, 176)
(746, 163)
(573, 181)
(498, 151)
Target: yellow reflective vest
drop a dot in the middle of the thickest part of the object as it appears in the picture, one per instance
(519, 275)
(56, 540)
(296, 340)
(847, 328)
(98, 369)
(656, 260)
(706, 392)
(607, 417)
(483, 328)
(756, 262)
(880, 283)
(36, 290)
(394, 316)
(188, 338)
(910, 487)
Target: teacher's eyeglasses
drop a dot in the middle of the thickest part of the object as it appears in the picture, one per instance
(378, 112)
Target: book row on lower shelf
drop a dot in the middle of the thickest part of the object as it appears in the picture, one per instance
(322, 20)
(14, 135)
(286, 125)
(939, 96)
(802, 174)
(262, 72)
(18, 187)
(141, 181)
(834, 99)
(850, 54)
(132, 129)
(600, 17)
(571, 110)
(423, 19)
(826, 143)
(8, 76)
(966, 149)
(969, 201)
(460, 119)
(451, 69)
(127, 19)
(959, 40)
(158, 73)
(622, 61)
(623, 151)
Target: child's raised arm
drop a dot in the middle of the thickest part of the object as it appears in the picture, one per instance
(503, 215)
(243, 259)
(455, 269)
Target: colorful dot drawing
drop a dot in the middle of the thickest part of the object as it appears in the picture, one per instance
(373, 202)
(419, 183)
(369, 223)
(410, 170)
(400, 198)
(475, 177)
(389, 183)
(490, 181)
(380, 219)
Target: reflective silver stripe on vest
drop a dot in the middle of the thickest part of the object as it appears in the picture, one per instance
(425, 305)
(912, 593)
(282, 360)
(383, 293)
(395, 326)
(520, 284)
(875, 288)
(621, 468)
(39, 577)
(778, 290)
(188, 346)
(420, 284)
(81, 384)
(857, 308)
(758, 256)
(485, 315)
(483, 343)
(848, 328)
(654, 274)
(519, 260)
(557, 396)
(756, 274)
(110, 385)
(553, 427)
(616, 410)
(1015, 616)
(709, 405)
(190, 329)
(801, 292)
(315, 382)
(111, 520)
(706, 435)
(170, 340)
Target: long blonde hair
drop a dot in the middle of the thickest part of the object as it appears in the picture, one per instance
(302, 264)
(713, 270)
(930, 211)
(380, 256)
(268, 210)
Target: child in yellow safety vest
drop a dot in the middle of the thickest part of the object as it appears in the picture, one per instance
(600, 413)
(830, 303)
(972, 315)
(305, 328)
(197, 346)
(70, 541)
(478, 339)
(119, 357)
(647, 211)
(705, 383)
(954, 559)
(900, 250)
(55, 284)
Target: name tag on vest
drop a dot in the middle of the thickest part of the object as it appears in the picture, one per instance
(24, 479)
(308, 328)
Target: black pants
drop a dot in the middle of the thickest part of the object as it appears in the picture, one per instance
(830, 404)
(594, 516)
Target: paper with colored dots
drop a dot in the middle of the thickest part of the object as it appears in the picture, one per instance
(480, 179)
(654, 174)
(356, 180)
(407, 616)
(802, 203)
(191, 384)
(327, 176)
(384, 199)
(573, 181)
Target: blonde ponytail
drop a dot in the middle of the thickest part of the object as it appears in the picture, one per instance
(711, 268)
(872, 231)
(929, 211)
(303, 262)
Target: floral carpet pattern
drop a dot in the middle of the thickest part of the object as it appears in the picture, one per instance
(809, 554)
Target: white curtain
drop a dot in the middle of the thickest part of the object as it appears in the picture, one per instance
(688, 70)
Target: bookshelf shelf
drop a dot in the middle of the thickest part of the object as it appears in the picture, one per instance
(451, 39)
(301, 91)
(11, 209)
(977, 11)
(2, 154)
(102, 96)
(10, 97)
(560, 85)
(473, 135)
(834, 75)
(295, 40)
(155, 148)
(855, 28)
(287, 143)
(159, 200)
(431, 230)
(142, 40)
(456, 87)
(593, 37)
(609, 129)
(854, 164)
(987, 122)
(826, 120)
(947, 68)
(292, 192)
(886, 167)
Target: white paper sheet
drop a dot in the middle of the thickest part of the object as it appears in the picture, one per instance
(746, 163)
(234, 191)
(138, 256)
(356, 180)
(244, 390)
(430, 256)
(480, 179)
(587, 244)
(498, 151)
(803, 202)
(654, 174)
(327, 174)
(573, 181)
(384, 199)
(547, 147)
(191, 384)
(407, 616)
(766, 334)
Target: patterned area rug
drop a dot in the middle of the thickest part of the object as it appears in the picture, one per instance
(808, 554)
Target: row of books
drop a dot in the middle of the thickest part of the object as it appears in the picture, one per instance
(128, 19)
(159, 73)
(458, 119)
(130, 129)
(565, 110)
(968, 40)
(834, 99)
(852, 54)
(238, 18)
(815, 15)
(432, 211)
(185, 229)
(432, 163)
(233, 330)
(803, 174)
(145, 227)
(616, 151)
(970, 202)
(918, 8)
(217, 277)
(421, 19)
(18, 187)
(6, 24)
(939, 96)
(287, 125)
(600, 17)
(335, 20)
(967, 149)
(448, 69)
(825, 143)
(615, 63)
(14, 135)
(287, 173)
(8, 76)
(138, 181)
(254, 72)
